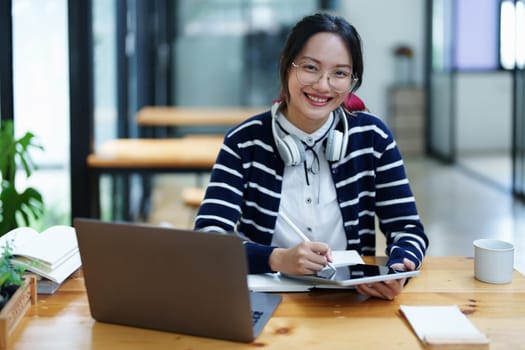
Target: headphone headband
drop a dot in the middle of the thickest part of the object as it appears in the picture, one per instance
(292, 150)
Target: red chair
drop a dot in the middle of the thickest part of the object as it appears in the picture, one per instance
(354, 104)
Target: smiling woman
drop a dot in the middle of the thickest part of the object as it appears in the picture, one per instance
(312, 93)
(315, 162)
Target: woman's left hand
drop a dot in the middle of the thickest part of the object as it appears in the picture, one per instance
(387, 289)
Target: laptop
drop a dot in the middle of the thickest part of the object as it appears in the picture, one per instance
(170, 280)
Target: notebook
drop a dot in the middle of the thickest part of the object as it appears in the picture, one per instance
(170, 280)
(443, 327)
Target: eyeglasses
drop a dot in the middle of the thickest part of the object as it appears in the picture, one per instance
(340, 80)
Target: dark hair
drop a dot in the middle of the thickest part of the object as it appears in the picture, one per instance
(308, 27)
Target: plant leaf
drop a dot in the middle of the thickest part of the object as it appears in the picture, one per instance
(26, 205)
(17, 208)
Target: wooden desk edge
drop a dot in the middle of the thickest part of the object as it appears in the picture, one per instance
(74, 287)
(121, 153)
(198, 116)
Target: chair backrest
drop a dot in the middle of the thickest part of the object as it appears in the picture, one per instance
(353, 103)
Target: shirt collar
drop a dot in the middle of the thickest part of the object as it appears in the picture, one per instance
(308, 139)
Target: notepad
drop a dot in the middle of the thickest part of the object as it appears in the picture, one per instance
(444, 327)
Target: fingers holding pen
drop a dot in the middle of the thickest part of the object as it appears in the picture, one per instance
(320, 249)
(304, 258)
(320, 253)
(309, 257)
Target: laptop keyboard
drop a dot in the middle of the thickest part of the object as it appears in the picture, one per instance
(256, 315)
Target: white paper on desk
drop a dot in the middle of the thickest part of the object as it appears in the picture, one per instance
(346, 257)
(442, 325)
(275, 282)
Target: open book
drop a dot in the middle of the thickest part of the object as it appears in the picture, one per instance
(276, 282)
(52, 254)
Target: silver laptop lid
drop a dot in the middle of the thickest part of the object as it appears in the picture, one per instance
(167, 279)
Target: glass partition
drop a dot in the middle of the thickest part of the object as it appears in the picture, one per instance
(470, 94)
(227, 52)
(441, 101)
(518, 149)
(484, 91)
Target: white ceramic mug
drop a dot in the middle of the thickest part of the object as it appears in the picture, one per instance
(493, 261)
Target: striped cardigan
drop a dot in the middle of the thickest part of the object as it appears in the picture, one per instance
(244, 191)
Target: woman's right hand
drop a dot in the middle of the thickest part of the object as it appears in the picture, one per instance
(304, 258)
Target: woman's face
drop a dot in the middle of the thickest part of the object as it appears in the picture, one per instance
(309, 105)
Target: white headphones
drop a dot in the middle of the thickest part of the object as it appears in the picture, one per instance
(292, 150)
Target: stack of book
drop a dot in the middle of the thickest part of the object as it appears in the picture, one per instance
(52, 254)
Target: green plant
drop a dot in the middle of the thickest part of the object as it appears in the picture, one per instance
(10, 276)
(17, 208)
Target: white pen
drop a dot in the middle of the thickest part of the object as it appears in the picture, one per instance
(300, 233)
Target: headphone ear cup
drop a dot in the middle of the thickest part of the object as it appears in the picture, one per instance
(334, 146)
(291, 150)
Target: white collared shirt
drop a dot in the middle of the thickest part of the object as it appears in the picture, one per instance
(312, 208)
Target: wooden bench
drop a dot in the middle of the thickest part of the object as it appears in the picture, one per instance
(193, 196)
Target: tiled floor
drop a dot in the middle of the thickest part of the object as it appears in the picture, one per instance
(455, 207)
(495, 168)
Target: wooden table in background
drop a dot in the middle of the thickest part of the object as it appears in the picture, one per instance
(192, 153)
(189, 116)
(149, 156)
(172, 139)
(163, 121)
(317, 320)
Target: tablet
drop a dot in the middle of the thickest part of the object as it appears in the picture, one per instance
(351, 275)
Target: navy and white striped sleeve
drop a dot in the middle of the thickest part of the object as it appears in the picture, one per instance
(396, 208)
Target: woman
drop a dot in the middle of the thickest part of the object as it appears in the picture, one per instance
(312, 164)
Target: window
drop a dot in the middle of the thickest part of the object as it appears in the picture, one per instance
(512, 34)
(41, 98)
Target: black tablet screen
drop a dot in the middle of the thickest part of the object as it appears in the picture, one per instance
(353, 272)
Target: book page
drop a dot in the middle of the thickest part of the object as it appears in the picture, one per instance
(18, 237)
(52, 254)
(40, 265)
(57, 275)
(51, 247)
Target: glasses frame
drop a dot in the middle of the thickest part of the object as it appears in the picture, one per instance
(353, 79)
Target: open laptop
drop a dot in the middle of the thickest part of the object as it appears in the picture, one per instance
(170, 280)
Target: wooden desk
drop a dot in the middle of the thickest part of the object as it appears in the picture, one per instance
(143, 156)
(189, 116)
(318, 320)
(192, 153)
